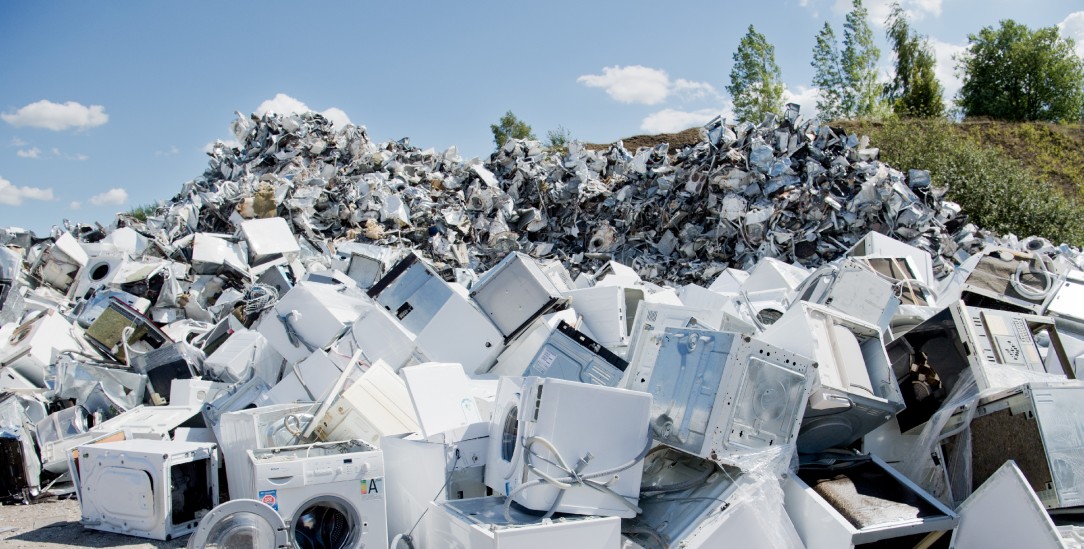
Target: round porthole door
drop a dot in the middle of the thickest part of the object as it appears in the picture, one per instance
(241, 524)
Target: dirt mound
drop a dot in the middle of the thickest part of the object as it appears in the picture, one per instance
(677, 140)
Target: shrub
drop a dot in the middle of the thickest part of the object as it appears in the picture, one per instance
(996, 192)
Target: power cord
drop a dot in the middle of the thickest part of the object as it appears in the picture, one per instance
(296, 340)
(408, 538)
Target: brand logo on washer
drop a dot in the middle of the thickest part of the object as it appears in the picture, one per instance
(372, 486)
(270, 497)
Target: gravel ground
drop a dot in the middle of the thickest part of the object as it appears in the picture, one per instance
(54, 523)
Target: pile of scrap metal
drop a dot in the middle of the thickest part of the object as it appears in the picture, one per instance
(789, 189)
(324, 342)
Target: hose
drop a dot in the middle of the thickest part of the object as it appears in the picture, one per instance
(1027, 291)
(678, 487)
(291, 333)
(405, 538)
(574, 476)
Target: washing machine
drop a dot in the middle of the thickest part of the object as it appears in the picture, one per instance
(376, 405)
(852, 289)
(601, 432)
(240, 396)
(98, 273)
(570, 354)
(720, 393)
(855, 391)
(447, 326)
(515, 292)
(243, 351)
(154, 489)
(328, 495)
(652, 319)
(262, 427)
(608, 312)
(35, 344)
(268, 239)
(310, 316)
(684, 500)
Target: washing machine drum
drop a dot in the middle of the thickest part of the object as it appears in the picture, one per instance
(241, 523)
(327, 522)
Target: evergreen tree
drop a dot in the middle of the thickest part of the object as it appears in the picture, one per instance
(914, 90)
(755, 81)
(828, 74)
(862, 95)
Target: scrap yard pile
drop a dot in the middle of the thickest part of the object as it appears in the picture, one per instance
(766, 339)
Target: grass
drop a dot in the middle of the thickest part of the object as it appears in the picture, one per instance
(140, 213)
(1050, 151)
(999, 173)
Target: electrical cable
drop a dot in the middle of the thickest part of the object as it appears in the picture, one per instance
(408, 537)
(258, 298)
(291, 333)
(574, 476)
(126, 333)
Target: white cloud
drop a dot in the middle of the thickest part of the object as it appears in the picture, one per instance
(674, 120)
(233, 143)
(55, 153)
(57, 116)
(116, 196)
(173, 151)
(879, 9)
(1073, 27)
(13, 195)
(946, 66)
(284, 104)
(690, 90)
(805, 97)
(16, 142)
(338, 118)
(631, 84)
(29, 153)
(75, 205)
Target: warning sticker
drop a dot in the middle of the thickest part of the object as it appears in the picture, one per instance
(271, 498)
(545, 359)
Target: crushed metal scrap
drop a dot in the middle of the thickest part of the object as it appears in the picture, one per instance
(788, 189)
(767, 339)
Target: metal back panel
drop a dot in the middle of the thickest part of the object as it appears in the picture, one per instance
(570, 355)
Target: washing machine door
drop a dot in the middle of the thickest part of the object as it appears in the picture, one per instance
(241, 524)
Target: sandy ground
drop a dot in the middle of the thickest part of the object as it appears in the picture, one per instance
(54, 523)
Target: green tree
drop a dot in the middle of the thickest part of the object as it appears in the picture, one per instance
(755, 81)
(1014, 73)
(510, 127)
(862, 94)
(828, 74)
(914, 90)
(557, 140)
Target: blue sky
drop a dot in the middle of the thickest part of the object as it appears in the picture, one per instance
(106, 106)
